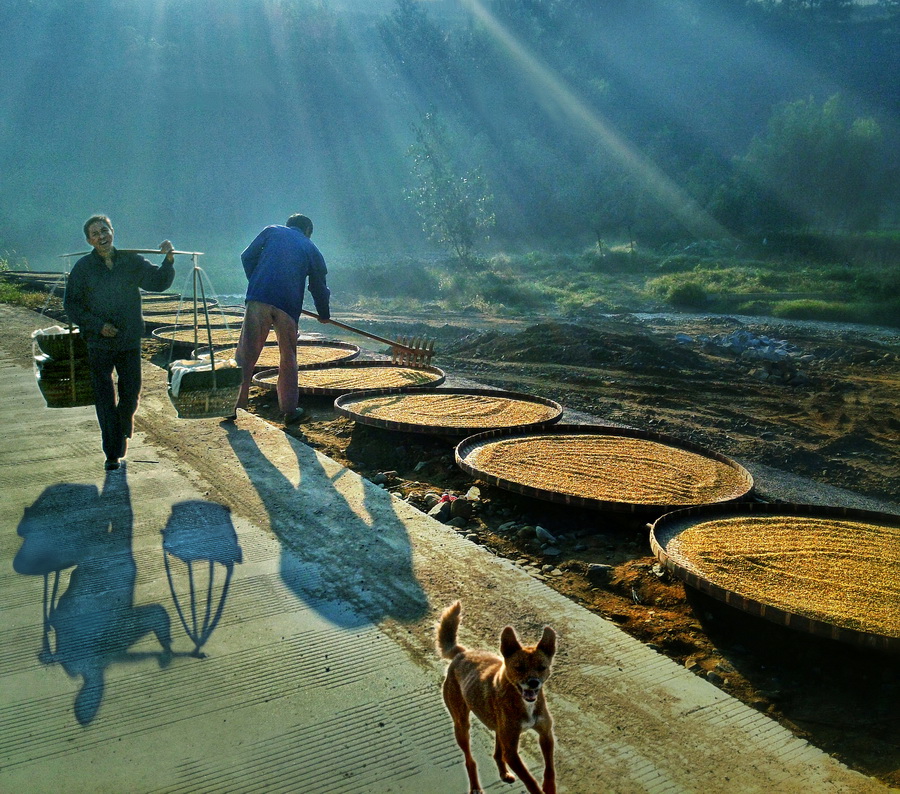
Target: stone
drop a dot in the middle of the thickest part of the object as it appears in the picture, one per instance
(543, 534)
(599, 574)
(527, 532)
(431, 499)
(441, 511)
(551, 551)
(461, 508)
(474, 493)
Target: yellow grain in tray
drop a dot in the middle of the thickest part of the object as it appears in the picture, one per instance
(220, 334)
(834, 570)
(611, 468)
(186, 317)
(354, 378)
(455, 410)
(307, 355)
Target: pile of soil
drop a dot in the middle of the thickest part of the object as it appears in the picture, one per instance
(837, 424)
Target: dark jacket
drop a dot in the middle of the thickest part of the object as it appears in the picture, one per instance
(96, 295)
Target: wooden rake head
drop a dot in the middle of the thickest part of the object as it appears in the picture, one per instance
(412, 351)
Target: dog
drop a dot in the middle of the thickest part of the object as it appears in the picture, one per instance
(505, 692)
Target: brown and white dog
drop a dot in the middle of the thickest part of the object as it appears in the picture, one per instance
(505, 693)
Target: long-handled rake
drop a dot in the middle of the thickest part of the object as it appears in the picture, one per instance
(407, 351)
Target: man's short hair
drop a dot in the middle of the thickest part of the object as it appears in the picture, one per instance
(94, 219)
(301, 222)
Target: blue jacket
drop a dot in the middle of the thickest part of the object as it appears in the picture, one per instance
(96, 295)
(278, 263)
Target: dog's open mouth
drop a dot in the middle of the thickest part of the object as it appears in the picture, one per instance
(530, 695)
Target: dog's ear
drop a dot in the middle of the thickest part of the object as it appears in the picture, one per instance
(548, 641)
(509, 642)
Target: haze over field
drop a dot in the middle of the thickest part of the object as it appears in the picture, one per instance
(204, 120)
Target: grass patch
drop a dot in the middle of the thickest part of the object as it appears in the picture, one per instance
(837, 312)
(30, 299)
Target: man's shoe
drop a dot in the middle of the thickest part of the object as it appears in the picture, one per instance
(111, 464)
(292, 419)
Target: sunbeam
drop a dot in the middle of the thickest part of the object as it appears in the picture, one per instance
(561, 102)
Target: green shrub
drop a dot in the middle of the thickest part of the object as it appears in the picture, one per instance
(687, 295)
(402, 279)
(877, 313)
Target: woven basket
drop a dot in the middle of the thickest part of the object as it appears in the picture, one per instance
(60, 394)
(58, 386)
(202, 397)
(57, 345)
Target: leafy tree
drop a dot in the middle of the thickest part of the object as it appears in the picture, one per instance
(819, 164)
(455, 208)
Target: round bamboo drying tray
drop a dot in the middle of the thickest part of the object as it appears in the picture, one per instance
(336, 380)
(184, 334)
(310, 354)
(827, 571)
(604, 468)
(448, 411)
(152, 304)
(217, 316)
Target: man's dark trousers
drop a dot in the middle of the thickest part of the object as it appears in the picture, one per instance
(116, 416)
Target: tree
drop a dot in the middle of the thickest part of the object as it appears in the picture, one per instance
(819, 164)
(454, 209)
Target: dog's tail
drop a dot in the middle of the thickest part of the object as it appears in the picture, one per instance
(446, 632)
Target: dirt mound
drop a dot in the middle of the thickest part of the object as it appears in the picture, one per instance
(611, 345)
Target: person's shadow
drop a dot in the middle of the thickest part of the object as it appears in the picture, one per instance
(94, 622)
(352, 567)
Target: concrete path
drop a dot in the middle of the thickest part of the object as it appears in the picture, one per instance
(301, 601)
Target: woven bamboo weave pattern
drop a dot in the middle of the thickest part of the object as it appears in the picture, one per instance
(455, 410)
(611, 469)
(834, 570)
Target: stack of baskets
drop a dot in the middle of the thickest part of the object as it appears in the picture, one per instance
(61, 368)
